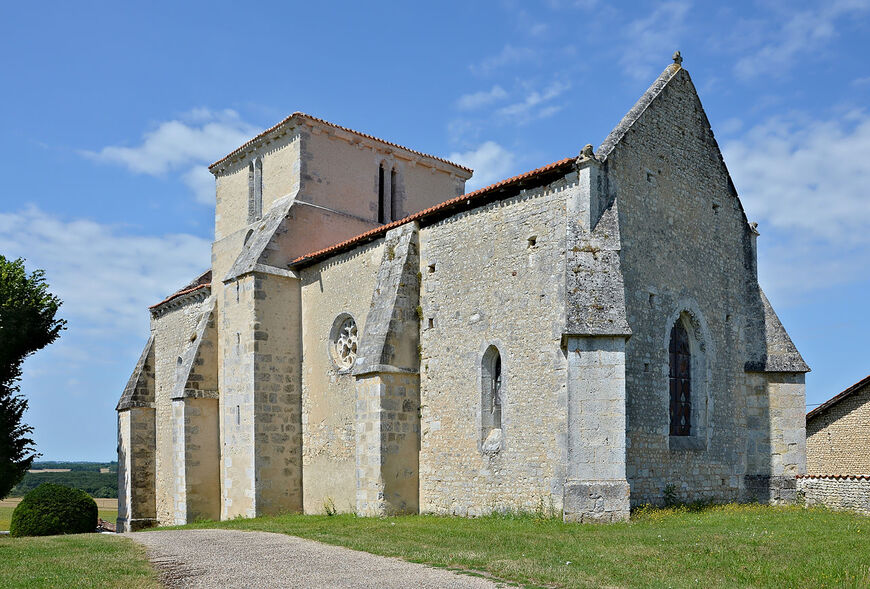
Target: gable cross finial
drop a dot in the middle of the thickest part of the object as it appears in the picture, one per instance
(678, 59)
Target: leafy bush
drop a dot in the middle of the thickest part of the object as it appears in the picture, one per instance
(52, 509)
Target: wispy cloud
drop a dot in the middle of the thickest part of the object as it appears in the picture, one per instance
(106, 277)
(480, 99)
(650, 40)
(780, 46)
(509, 55)
(490, 161)
(805, 181)
(186, 144)
(536, 103)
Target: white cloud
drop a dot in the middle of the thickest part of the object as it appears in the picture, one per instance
(199, 137)
(491, 162)
(807, 183)
(480, 99)
(802, 33)
(509, 55)
(528, 107)
(105, 277)
(649, 41)
(201, 183)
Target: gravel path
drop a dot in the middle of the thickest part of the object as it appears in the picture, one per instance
(232, 558)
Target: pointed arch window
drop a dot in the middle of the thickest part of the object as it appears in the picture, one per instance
(491, 397)
(680, 380)
(382, 196)
(394, 195)
(255, 190)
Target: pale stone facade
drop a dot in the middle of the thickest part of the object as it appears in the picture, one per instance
(503, 349)
(838, 433)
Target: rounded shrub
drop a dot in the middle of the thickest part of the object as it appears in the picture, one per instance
(51, 509)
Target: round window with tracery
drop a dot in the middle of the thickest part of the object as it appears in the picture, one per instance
(344, 341)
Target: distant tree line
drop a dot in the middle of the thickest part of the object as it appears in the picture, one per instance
(74, 466)
(95, 484)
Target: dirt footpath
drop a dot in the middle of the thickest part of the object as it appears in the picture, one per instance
(232, 558)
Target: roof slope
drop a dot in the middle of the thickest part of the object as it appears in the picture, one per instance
(444, 209)
(201, 281)
(296, 116)
(855, 388)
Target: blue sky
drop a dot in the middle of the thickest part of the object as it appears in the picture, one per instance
(111, 111)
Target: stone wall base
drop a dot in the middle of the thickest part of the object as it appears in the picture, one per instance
(132, 525)
(596, 501)
(850, 493)
(773, 490)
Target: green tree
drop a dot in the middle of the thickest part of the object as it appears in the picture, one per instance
(27, 324)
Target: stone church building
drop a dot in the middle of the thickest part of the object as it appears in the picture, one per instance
(580, 337)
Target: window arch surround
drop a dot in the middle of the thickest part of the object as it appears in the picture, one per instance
(688, 322)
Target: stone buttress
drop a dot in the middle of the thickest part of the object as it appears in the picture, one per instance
(137, 447)
(594, 336)
(195, 426)
(387, 375)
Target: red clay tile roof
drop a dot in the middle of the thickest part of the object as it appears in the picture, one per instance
(857, 477)
(201, 281)
(333, 125)
(839, 397)
(447, 205)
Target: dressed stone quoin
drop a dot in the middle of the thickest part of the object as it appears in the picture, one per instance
(584, 337)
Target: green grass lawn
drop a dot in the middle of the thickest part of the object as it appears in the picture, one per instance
(724, 546)
(83, 560)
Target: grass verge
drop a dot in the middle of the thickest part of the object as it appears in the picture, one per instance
(82, 560)
(721, 546)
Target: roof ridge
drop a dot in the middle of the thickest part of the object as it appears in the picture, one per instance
(299, 114)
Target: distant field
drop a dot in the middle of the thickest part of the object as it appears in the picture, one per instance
(108, 510)
(97, 481)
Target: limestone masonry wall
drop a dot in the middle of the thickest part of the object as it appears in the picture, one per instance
(493, 276)
(847, 492)
(172, 331)
(341, 285)
(236, 382)
(684, 250)
(838, 438)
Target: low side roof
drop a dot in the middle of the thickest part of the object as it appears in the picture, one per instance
(296, 116)
(446, 208)
(858, 386)
(201, 281)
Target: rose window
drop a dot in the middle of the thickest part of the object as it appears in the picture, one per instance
(344, 342)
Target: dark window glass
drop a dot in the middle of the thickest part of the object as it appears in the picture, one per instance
(680, 380)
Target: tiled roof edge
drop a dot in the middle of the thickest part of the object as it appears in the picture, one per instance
(299, 115)
(439, 208)
(839, 397)
(856, 477)
(180, 293)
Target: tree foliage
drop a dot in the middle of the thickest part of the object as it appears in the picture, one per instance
(27, 324)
